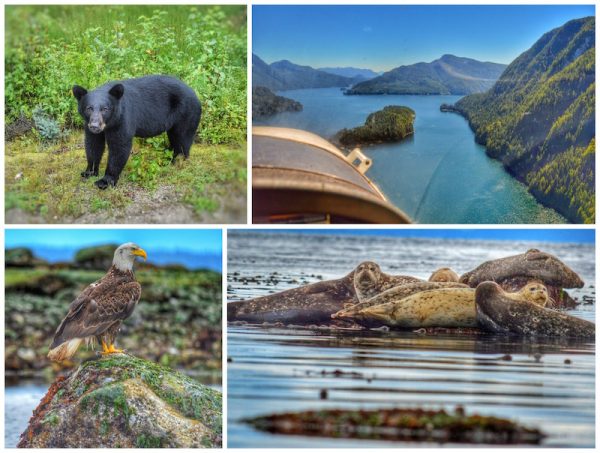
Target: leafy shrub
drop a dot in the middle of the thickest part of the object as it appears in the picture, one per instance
(48, 129)
(51, 48)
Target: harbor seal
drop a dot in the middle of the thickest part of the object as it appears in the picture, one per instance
(534, 291)
(315, 303)
(394, 294)
(513, 272)
(444, 274)
(500, 314)
(447, 307)
(369, 280)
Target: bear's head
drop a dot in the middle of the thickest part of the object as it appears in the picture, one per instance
(99, 107)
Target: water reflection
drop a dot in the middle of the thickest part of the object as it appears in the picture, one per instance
(276, 370)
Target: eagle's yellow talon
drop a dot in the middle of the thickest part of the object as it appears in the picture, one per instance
(113, 350)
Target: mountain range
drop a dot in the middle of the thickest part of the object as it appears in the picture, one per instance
(538, 119)
(446, 75)
(354, 73)
(285, 75)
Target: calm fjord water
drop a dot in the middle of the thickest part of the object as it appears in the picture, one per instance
(440, 175)
(276, 369)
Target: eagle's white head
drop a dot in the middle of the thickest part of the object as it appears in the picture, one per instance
(126, 254)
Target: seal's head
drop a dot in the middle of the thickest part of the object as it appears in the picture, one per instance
(536, 292)
(444, 274)
(367, 278)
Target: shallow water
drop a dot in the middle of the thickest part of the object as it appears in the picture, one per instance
(280, 369)
(439, 175)
(19, 403)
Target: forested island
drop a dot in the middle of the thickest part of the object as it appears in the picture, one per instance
(267, 103)
(391, 124)
(538, 119)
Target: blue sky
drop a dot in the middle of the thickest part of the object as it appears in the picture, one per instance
(536, 235)
(384, 37)
(194, 248)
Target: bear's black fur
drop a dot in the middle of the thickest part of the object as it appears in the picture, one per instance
(117, 111)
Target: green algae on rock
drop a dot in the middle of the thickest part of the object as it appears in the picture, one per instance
(391, 124)
(124, 401)
(400, 425)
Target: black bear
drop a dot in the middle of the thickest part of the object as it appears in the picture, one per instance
(117, 111)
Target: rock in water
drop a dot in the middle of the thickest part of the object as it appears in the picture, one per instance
(123, 401)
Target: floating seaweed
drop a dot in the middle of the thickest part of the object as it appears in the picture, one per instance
(400, 424)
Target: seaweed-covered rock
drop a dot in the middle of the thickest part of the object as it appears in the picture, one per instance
(267, 103)
(124, 401)
(21, 257)
(391, 124)
(400, 425)
(99, 258)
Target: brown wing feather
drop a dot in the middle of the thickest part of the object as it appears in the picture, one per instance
(102, 303)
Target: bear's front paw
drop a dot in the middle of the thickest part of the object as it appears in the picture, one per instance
(88, 173)
(105, 182)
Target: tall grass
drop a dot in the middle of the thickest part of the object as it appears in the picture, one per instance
(50, 48)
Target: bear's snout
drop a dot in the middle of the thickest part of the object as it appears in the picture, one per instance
(96, 124)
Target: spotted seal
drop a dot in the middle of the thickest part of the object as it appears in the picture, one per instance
(446, 307)
(500, 314)
(444, 274)
(513, 272)
(393, 294)
(534, 291)
(315, 303)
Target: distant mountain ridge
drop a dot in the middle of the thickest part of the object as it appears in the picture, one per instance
(446, 75)
(285, 75)
(349, 71)
(538, 119)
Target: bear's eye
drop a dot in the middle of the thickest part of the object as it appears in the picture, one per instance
(105, 109)
(89, 108)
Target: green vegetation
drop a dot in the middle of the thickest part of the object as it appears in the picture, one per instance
(50, 48)
(47, 184)
(391, 124)
(538, 119)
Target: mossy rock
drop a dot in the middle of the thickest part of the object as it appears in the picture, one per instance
(21, 257)
(123, 401)
(99, 257)
(391, 124)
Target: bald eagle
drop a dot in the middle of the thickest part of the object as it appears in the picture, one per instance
(99, 310)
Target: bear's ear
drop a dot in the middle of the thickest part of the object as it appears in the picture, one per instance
(79, 92)
(117, 91)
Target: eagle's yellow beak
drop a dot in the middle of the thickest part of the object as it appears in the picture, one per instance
(141, 253)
